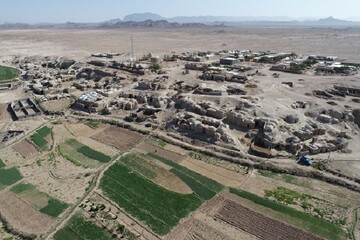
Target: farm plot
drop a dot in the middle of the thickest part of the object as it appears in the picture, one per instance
(311, 196)
(120, 138)
(26, 149)
(258, 224)
(81, 154)
(193, 229)
(157, 174)
(83, 129)
(39, 200)
(78, 228)
(219, 174)
(308, 222)
(8, 73)
(313, 205)
(204, 187)
(9, 176)
(2, 164)
(157, 207)
(22, 216)
(40, 136)
(161, 152)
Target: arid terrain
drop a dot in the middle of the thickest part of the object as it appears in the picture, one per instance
(180, 133)
(78, 43)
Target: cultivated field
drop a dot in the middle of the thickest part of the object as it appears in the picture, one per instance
(204, 187)
(26, 149)
(22, 216)
(173, 156)
(161, 176)
(8, 73)
(193, 229)
(78, 228)
(39, 200)
(290, 215)
(9, 176)
(80, 129)
(157, 207)
(219, 174)
(80, 154)
(119, 138)
(265, 228)
(42, 137)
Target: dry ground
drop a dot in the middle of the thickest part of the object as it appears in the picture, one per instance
(83, 130)
(120, 138)
(81, 43)
(57, 105)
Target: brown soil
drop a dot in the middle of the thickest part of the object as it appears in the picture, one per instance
(162, 152)
(193, 229)
(119, 138)
(80, 129)
(26, 149)
(22, 216)
(167, 179)
(219, 174)
(98, 146)
(265, 228)
(56, 105)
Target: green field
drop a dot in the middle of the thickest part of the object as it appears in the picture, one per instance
(54, 208)
(39, 200)
(2, 164)
(159, 208)
(140, 165)
(39, 137)
(78, 228)
(204, 187)
(81, 154)
(8, 73)
(312, 224)
(9, 176)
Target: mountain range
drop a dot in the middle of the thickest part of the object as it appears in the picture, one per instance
(152, 20)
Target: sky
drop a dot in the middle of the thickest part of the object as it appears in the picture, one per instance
(56, 11)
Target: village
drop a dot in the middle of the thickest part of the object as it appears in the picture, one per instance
(223, 98)
(206, 129)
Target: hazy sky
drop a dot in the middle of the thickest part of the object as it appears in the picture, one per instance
(35, 11)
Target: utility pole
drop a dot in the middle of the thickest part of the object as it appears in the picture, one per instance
(132, 48)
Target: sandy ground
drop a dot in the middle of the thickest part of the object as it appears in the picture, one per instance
(80, 43)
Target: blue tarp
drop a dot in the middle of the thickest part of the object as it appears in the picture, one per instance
(305, 161)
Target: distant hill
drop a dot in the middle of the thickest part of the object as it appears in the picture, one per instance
(152, 20)
(148, 23)
(140, 17)
(332, 20)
